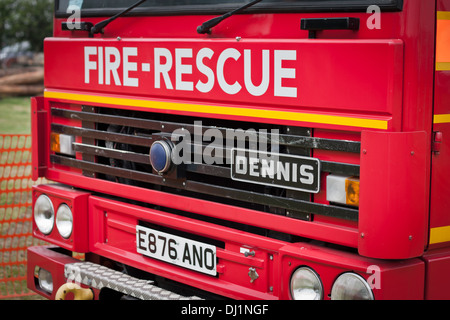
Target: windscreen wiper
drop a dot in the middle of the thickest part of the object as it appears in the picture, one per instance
(99, 26)
(207, 25)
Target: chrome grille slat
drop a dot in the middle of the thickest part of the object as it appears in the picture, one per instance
(169, 127)
(214, 190)
(200, 179)
(327, 166)
(111, 153)
(101, 135)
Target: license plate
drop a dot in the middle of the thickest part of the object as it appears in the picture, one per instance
(176, 250)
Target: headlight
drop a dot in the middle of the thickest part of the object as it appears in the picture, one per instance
(351, 286)
(44, 214)
(305, 285)
(64, 220)
(45, 280)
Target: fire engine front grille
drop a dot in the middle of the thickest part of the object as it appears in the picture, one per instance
(115, 146)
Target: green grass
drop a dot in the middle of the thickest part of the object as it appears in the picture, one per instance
(15, 115)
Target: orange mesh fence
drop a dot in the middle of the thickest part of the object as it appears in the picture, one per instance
(15, 214)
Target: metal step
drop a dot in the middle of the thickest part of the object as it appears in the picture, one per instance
(99, 277)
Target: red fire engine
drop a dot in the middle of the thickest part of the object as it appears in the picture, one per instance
(247, 150)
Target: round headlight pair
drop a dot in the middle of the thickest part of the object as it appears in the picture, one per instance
(306, 285)
(44, 216)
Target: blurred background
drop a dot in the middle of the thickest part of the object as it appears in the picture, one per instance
(23, 26)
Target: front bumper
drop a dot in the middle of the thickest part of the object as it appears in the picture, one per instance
(249, 266)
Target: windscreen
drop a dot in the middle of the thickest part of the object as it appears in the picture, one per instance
(171, 7)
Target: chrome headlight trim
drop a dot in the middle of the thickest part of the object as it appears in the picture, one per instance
(351, 286)
(305, 284)
(44, 214)
(64, 221)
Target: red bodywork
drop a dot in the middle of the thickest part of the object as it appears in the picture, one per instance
(379, 87)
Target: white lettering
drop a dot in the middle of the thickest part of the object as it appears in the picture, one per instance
(240, 310)
(181, 69)
(111, 66)
(284, 73)
(308, 177)
(146, 67)
(283, 171)
(129, 66)
(88, 64)
(294, 172)
(201, 86)
(241, 164)
(224, 56)
(100, 65)
(253, 162)
(251, 88)
(195, 310)
(163, 69)
(267, 168)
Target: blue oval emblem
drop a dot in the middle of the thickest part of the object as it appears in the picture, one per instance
(160, 156)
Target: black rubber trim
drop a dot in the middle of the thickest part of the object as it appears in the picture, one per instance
(303, 7)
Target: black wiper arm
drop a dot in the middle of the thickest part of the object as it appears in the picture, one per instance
(207, 25)
(99, 26)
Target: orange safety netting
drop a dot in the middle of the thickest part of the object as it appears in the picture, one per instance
(15, 214)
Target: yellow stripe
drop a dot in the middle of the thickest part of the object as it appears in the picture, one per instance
(219, 110)
(442, 66)
(443, 15)
(440, 234)
(441, 118)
